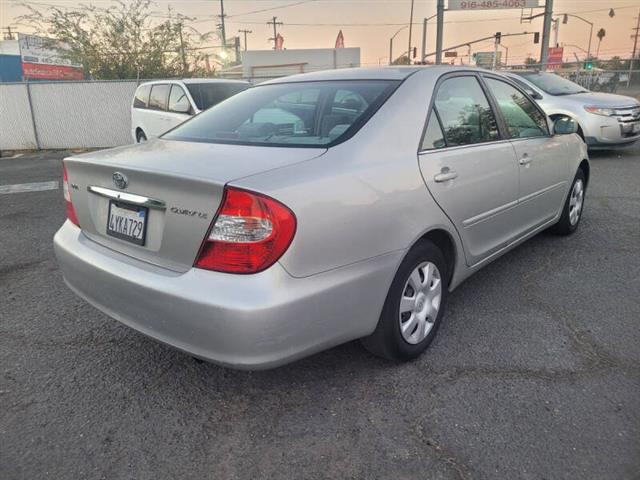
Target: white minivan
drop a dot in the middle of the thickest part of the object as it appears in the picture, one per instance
(160, 105)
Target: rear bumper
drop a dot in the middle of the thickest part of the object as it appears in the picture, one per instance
(242, 321)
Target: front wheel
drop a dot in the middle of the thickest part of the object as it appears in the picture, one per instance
(573, 206)
(414, 306)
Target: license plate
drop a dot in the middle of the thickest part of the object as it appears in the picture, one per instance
(636, 128)
(127, 222)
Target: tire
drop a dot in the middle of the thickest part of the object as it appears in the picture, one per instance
(570, 218)
(141, 137)
(388, 340)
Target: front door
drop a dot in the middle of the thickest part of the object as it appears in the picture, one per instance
(471, 173)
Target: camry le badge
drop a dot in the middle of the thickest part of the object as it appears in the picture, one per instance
(120, 180)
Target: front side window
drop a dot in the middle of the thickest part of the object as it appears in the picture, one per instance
(294, 114)
(141, 99)
(178, 101)
(206, 95)
(158, 97)
(465, 113)
(433, 136)
(522, 117)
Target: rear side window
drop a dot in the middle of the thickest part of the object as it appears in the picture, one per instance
(294, 114)
(522, 117)
(465, 113)
(433, 136)
(206, 95)
(141, 100)
(158, 97)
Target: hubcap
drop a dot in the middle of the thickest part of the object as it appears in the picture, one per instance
(575, 202)
(420, 302)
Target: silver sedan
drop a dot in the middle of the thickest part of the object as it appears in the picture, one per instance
(317, 209)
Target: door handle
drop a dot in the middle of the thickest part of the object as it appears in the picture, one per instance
(445, 175)
(525, 160)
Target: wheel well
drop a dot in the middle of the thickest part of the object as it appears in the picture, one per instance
(584, 166)
(442, 239)
(139, 130)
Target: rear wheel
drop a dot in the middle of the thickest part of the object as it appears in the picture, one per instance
(414, 306)
(573, 206)
(141, 137)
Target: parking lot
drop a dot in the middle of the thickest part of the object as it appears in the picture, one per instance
(534, 375)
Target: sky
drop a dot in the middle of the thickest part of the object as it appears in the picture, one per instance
(369, 24)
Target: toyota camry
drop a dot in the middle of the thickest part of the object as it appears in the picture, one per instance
(317, 209)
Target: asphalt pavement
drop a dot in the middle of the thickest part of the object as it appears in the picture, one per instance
(534, 374)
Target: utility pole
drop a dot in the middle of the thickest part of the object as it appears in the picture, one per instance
(556, 31)
(222, 30)
(635, 49)
(423, 51)
(275, 31)
(245, 37)
(439, 34)
(410, 30)
(546, 33)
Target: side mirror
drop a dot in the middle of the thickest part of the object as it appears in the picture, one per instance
(534, 95)
(565, 126)
(182, 107)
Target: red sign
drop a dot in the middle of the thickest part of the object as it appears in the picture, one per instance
(279, 42)
(554, 59)
(40, 71)
(340, 40)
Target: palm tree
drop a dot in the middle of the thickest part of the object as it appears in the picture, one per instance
(601, 34)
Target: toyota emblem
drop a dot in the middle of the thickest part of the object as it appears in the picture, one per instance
(120, 180)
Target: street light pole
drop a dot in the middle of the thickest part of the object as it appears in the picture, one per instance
(410, 31)
(546, 33)
(424, 36)
(391, 44)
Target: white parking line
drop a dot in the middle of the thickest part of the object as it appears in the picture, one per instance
(28, 187)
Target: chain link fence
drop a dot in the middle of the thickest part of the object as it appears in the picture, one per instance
(95, 114)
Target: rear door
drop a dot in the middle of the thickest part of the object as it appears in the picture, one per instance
(470, 171)
(542, 157)
(158, 121)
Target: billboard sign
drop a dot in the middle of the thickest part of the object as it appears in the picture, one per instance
(485, 59)
(554, 59)
(491, 4)
(44, 59)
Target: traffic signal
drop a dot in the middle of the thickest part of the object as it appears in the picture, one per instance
(498, 37)
(536, 37)
(588, 65)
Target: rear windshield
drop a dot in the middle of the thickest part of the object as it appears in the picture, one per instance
(553, 84)
(207, 95)
(293, 114)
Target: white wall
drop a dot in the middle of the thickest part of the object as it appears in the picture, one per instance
(273, 63)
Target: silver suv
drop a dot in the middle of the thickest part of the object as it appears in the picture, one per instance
(605, 120)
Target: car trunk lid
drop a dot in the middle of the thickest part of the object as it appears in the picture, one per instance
(179, 186)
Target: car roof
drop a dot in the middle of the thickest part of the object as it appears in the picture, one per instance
(378, 73)
(188, 81)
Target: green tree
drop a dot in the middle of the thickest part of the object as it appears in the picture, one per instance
(123, 40)
(530, 61)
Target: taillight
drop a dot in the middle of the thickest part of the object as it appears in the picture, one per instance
(71, 212)
(249, 234)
